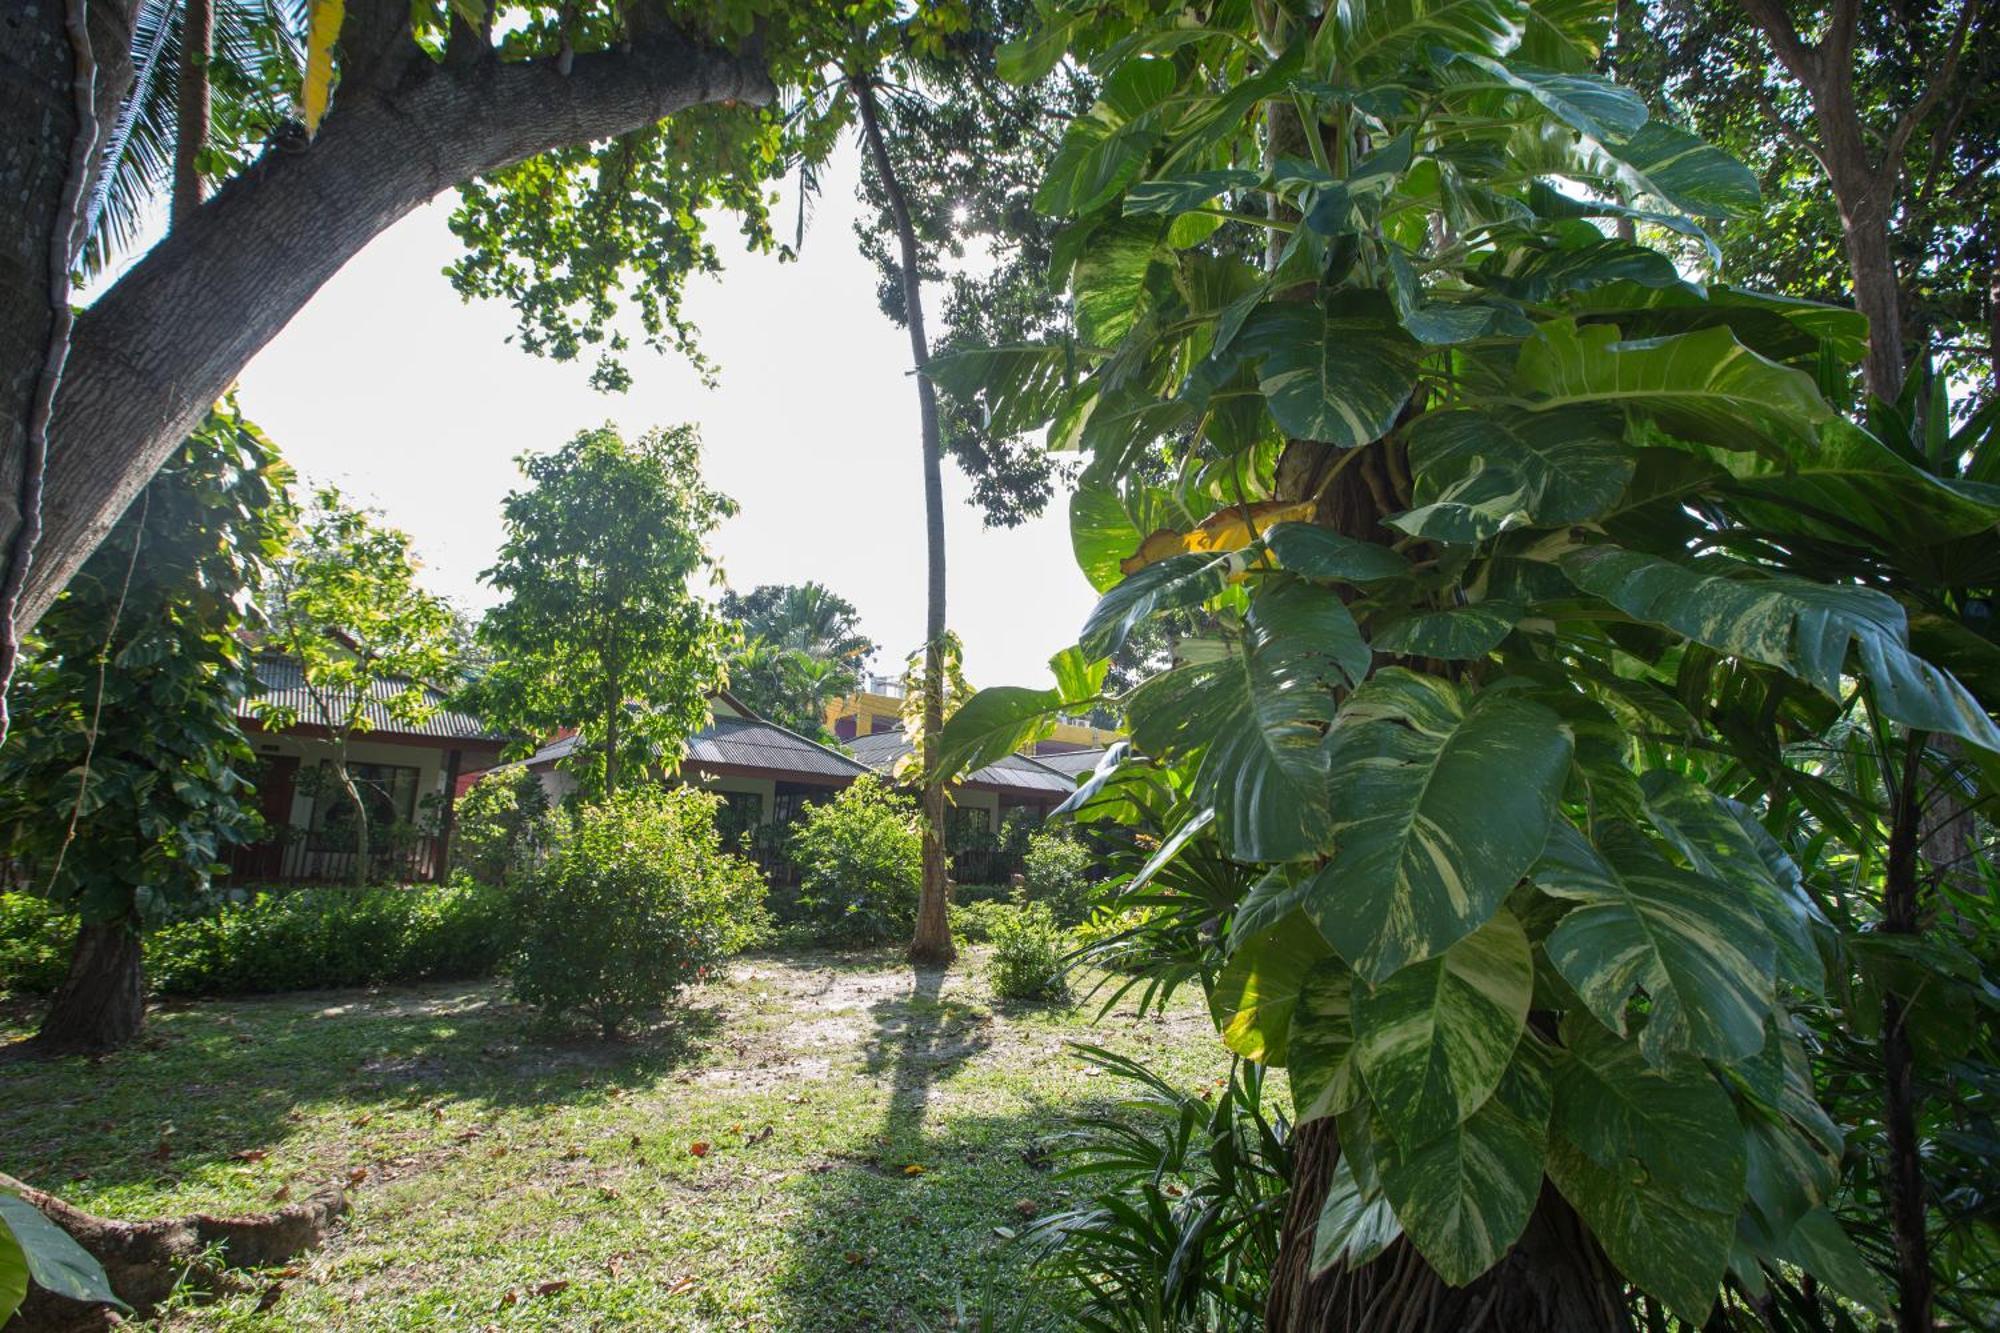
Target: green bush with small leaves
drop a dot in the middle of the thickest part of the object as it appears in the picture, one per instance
(1056, 869)
(1028, 950)
(241, 943)
(974, 922)
(635, 900)
(860, 858)
(502, 826)
(35, 940)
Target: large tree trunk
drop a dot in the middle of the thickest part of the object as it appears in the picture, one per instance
(37, 126)
(932, 941)
(163, 342)
(1555, 1280)
(102, 1002)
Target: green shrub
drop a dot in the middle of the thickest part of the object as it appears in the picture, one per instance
(312, 939)
(635, 900)
(502, 826)
(860, 858)
(975, 921)
(1028, 950)
(35, 940)
(1056, 868)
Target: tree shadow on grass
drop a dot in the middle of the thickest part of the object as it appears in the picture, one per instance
(917, 1222)
(215, 1080)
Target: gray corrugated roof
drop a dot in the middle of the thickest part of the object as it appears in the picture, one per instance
(880, 750)
(281, 684)
(752, 743)
(742, 742)
(1075, 763)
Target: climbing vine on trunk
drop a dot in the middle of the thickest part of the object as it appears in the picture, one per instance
(1514, 535)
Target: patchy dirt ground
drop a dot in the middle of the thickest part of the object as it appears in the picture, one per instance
(816, 1142)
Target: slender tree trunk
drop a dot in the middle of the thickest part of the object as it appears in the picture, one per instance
(932, 942)
(197, 38)
(1905, 1183)
(102, 1002)
(357, 876)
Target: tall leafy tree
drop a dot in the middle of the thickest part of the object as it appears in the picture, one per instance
(802, 648)
(346, 609)
(605, 134)
(598, 628)
(126, 776)
(1507, 528)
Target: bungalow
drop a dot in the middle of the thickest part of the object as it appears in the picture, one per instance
(407, 773)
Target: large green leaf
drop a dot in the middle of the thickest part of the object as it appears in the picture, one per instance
(1693, 176)
(1696, 947)
(1818, 1245)
(1585, 103)
(1337, 372)
(1723, 841)
(1107, 522)
(1461, 634)
(1540, 277)
(1464, 1197)
(1431, 1041)
(1324, 1079)
(1363, 37)
(13, 1274)
(1851, 481)
(1180, 194)
(1653, 1162)
(1478, 472)
(1104, 149)
(1566, 34)
(1798, 626)
(1255, 715)
(1259, 988)
(1020, 386)
(1355, 1225)
(1702, 386)
(49, 1256)
(1109, 282)
(993, 724)
(1441, 801)
(1174, 583)
(1321, 553)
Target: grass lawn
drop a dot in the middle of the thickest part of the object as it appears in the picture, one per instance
(867, 1129)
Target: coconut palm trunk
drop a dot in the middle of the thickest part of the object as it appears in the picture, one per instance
(932, 942)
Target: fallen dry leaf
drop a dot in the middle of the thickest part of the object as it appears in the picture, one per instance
(250, 1155)
(853, 1257)
(913, 1170)
(680, 1285)
(1026, 1207)
(270, 1296)
(760, 1135)
(357, 1175)
(698, 1148)
(282, 1193)
(552, 1286)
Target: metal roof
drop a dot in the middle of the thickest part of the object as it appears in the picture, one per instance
(882, 749)
(281, 683)
(741, 742)
(1074, 763)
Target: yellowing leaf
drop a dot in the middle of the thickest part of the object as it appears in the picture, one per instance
(322, 31)
(1228, 529)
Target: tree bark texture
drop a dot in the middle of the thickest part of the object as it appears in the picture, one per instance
(146, 1260)
(191, 107)
(163, 342)
(1901, 905)
(932, 941)
(102, 1002)
(1555, 1279)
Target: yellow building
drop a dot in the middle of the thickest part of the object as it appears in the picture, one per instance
(878, 707)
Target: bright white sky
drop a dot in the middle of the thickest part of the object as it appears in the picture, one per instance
(410, 400)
